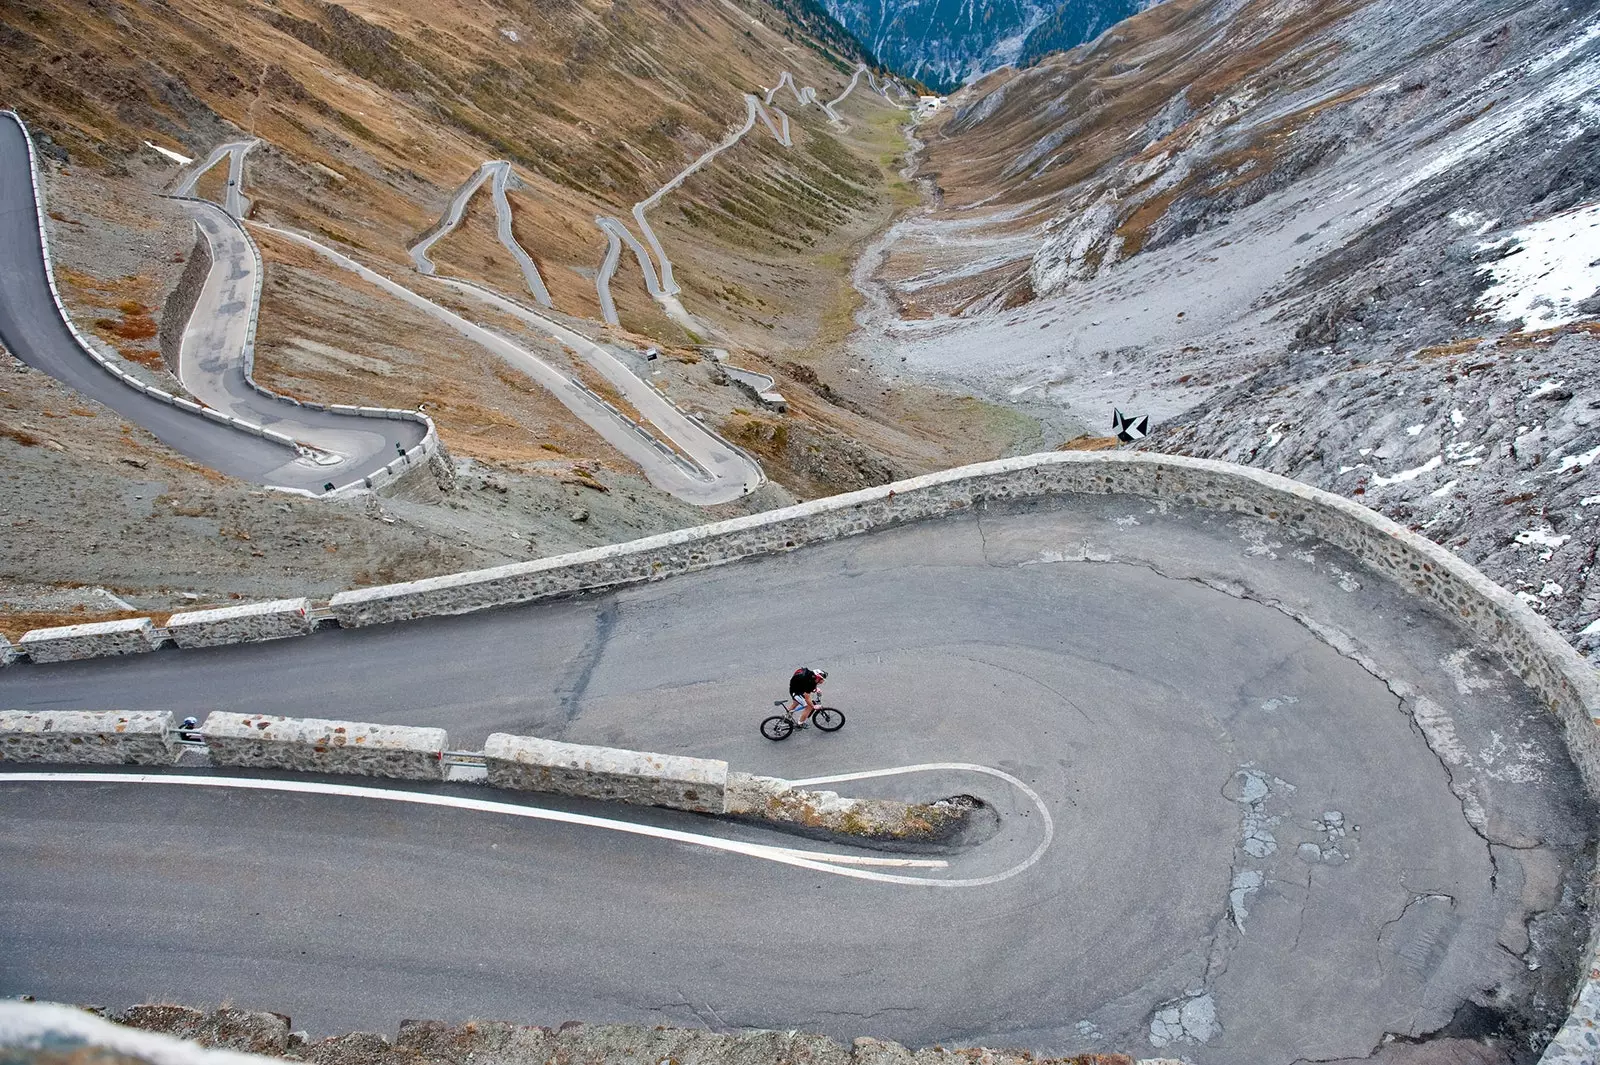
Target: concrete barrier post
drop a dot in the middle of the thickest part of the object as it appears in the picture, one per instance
(261, 741)
(69, 643)
(241, 624)
(87, 737)
(525, 763)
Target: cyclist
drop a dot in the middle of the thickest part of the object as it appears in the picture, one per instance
(803, 689)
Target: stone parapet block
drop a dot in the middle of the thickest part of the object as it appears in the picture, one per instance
(68, 643)
(241, 624)
(778, 802)
(7, 652)
(525, 763)
(87, 737)
(261, 741)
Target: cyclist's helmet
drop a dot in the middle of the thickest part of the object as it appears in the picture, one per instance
(822, 674)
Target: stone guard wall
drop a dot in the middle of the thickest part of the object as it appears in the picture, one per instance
(69, 642)
(525, 763)
(259, 741)
(241, 624)
(87, 737)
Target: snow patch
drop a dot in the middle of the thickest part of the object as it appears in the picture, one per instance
(1575, 462)
(181, 160)
(1555, 267)
(1543, 537)
(1409, 475)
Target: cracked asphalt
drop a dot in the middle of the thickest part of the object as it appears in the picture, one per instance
(1295, 810)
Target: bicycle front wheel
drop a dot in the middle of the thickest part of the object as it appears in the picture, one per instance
(777, 727)
(828, 719)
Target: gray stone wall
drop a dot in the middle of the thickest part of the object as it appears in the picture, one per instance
(778, 802)
(241, 624)
(499, 1043)
(259, 741)
(69, 643)
(180, 301)
(524, 763)
(87, 737)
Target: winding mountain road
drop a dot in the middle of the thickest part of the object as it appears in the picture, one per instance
(503, 177)
(729, 474)
(216, 357)
(33, 329)
(1258, 852)
(234, 201)
(705, 470)
(665, 291)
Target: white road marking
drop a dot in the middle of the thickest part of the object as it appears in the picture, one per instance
(816, 861)
(958, 767)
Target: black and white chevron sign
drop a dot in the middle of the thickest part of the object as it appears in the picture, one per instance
(1129, 429)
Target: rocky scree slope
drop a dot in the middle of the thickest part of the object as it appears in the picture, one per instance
(1354, 243)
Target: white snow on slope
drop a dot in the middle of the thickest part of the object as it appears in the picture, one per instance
(1556, 267)
(1569, 462)
(181, 160)
(1409, 475)
(1543, 537)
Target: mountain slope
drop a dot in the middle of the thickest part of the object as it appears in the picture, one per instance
(369, 117)
(944, 43)
(1352, 243)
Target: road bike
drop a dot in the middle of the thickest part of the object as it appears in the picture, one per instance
(779, 726)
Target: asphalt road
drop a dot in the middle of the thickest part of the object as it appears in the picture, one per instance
(503, 178)
(211, 365)
(31, 329)
(1249, 824)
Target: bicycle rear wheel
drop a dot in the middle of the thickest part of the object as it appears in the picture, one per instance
(828, 719)
(777, 727)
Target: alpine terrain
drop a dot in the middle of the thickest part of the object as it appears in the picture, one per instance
(1354, 243)
(944, 43)
(543, 198)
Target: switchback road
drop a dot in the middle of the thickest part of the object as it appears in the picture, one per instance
(33, 330)
(1261, 851)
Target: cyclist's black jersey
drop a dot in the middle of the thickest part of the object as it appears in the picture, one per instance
(802, 682)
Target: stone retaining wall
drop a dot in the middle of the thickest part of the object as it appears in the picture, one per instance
(482, 1042)
(524, 763)
(179, 305)
(67, 643)
(241, 624)
(260, 741)
(87, 737)
(778, 802)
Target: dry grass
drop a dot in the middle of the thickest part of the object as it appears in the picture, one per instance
(1450, 350)
(20, 436)
(12, 626)
(1089, 443)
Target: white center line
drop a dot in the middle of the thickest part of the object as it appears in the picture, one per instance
(817, 861)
